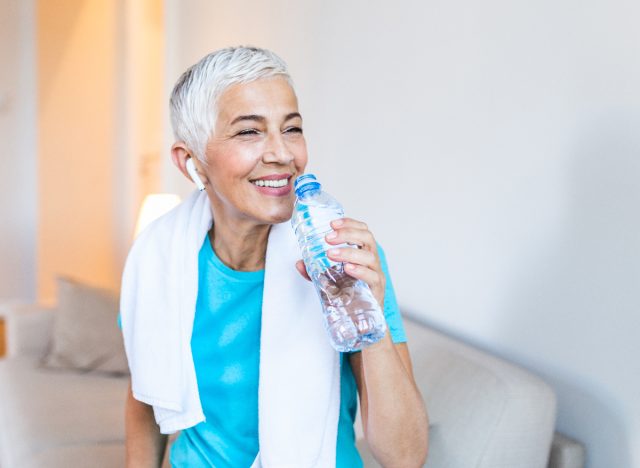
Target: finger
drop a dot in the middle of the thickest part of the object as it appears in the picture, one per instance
(302, 270)
(355, 256)
(348, 223)
(354, 236)
(375, 280)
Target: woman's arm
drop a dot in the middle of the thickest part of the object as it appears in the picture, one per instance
(394, 416)
(145, 444)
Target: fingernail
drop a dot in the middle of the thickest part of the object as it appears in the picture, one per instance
(338, 222)
(332, 235)
(334, 252)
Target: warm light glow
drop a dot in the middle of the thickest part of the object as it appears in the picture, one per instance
(154, 206)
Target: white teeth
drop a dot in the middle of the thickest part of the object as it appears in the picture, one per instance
(271, 183)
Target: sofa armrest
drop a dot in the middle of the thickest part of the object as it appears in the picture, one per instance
(566, 453)
(484, 411)
(28, 329)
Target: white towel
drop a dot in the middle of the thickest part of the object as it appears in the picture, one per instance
(299, 383)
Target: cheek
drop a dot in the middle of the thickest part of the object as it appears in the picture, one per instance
(232, 165)
(301, 157)
(301, 163)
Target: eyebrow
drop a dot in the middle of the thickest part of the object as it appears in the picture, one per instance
(260, 118)
(292, 116)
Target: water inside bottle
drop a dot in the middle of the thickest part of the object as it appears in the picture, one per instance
(352, 314)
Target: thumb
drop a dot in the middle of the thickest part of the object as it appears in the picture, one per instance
(302, 270)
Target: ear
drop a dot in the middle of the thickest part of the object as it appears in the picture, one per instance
(180, 153)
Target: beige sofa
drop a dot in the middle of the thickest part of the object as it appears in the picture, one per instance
(54, 418)
(485, 412)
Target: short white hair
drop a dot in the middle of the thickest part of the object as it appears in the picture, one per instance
(193, 103)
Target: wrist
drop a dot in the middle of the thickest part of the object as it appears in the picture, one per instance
(384, 345)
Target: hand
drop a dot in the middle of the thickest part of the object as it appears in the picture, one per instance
(362, 263)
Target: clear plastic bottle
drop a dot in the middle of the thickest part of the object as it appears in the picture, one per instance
(353, 317)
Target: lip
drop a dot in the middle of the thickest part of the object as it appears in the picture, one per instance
(275, 191)
(273, 177)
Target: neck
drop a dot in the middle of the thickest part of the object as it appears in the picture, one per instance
(239, 244)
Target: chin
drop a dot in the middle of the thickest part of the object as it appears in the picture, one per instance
(277, 216)
(277, 219)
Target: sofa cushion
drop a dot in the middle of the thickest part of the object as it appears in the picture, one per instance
(85, 333)
(42, 410)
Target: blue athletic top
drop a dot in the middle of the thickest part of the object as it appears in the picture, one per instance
(226, 351)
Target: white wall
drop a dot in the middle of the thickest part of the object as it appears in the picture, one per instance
(18, 169)
(498, 146)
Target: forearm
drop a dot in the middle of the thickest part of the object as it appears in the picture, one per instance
(145, 445)
(396, 420)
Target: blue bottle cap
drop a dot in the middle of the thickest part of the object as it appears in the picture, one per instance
(306, 182)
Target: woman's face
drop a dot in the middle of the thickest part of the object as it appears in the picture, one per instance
(256, 152)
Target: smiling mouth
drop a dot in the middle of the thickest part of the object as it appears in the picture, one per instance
(276, 183)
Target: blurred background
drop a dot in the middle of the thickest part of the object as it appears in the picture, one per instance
(492, 147)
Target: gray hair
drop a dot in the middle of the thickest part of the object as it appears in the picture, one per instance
(193, 102)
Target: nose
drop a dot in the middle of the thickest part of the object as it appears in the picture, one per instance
(276, 150)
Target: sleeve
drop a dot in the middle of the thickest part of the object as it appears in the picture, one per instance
(391, 309)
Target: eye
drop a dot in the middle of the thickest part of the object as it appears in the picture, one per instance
(293, 130)
(248, 131)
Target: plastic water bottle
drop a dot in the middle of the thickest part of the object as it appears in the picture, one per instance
(352, 316)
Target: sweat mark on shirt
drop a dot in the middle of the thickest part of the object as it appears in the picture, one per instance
(232, 330)
(232, 374)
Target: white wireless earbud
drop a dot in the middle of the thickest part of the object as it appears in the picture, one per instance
(191, 169)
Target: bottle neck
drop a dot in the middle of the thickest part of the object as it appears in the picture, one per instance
(308, 191)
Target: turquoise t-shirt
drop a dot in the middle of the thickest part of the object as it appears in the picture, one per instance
(226, 351)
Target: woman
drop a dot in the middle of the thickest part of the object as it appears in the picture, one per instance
(235, 117)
